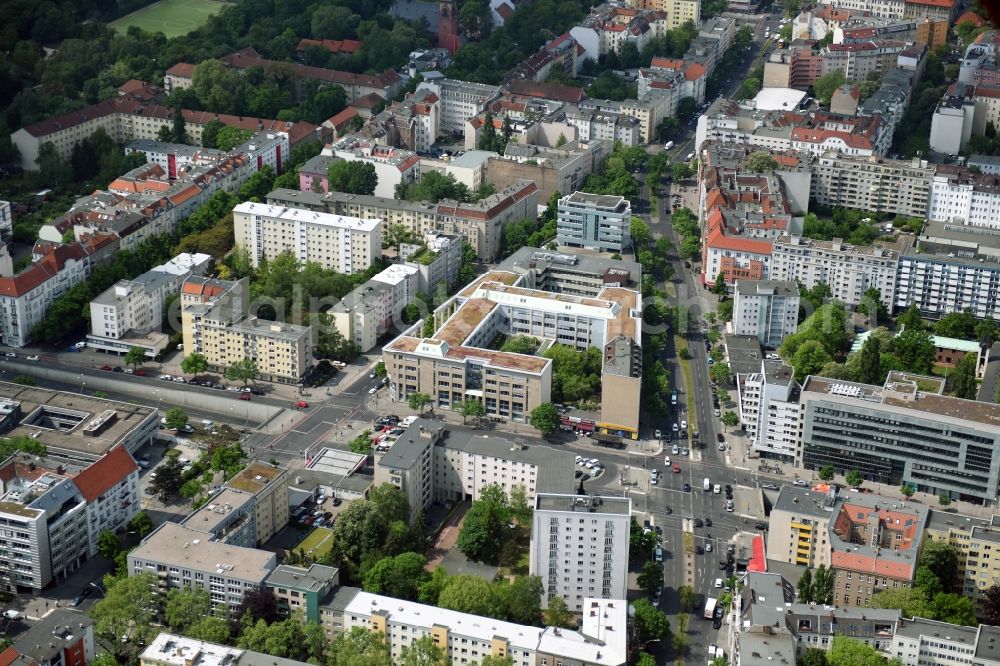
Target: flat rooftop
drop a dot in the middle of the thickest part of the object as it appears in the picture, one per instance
(313, 579)
(465, 320)
(218, 509)
(185, 547)
(604, 201)
(503, 277)
(943, 520)
(745, 354)
(955, 633)
(337, 461)
(255, 477)
(522, 362)
(627, 321)
(286, 214)
(596, 266)
(181, 651)
(804, 502)
(67, 438)
(583, 504)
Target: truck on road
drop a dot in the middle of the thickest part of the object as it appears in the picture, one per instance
(710, 608)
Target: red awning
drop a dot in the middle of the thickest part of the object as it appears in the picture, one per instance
(758, 563)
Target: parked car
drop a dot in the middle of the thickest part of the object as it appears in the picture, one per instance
(302, 404)
(12, 614)
(79, 599)
(33, 357)
(103, 367)
(245, 396)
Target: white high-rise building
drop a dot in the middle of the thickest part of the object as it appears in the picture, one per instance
(579, 547)
(769, 410)
(766, 309)
(338, 242)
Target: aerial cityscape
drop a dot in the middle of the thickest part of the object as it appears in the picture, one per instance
(500, 333)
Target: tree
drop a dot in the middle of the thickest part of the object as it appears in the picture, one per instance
(645, 659)
(194, 363)
(680, 171)
(942, 559)
(989, 605)
(418, 401)
(721, 373)
(108, 544)
(719, 286)
(944, 500)
(650, 622)
(557, 614)
(244, 371)
(827, 84)
(176, 418)
(486, 526)
(25, 380)
(141, 524)
(468, 594)
(185, 606)
(910, 319)
(854, 479)
(961, 325)
(259, 604)
(210, 133)
(686, 108)
(390, 502)
(399, 576)
(915, 350)
(230, 137)
(211, 629)
(907, 490)
(965, 385)
(126, 616)
(361, 444)
(846, 651)
(730, 419)
(640, 232)
(424, 651)
(912, 602)
(651, 577)
(688, 598)
(814, 657)
(545, 419)
(178, 133)
(352, 177)
(809, 358)
(258, 184)
(359, 647)
(360, 531)
(822, 587)
(168, 479)
(953, 609)
(471, 407)
(869, 370)
(805, 587)
(760, 161)
(520, 507)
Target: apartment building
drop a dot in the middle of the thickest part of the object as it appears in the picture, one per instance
(301, 589)
(460, 100)
(578, 274)
(601, 641)
(953, 121)
(125, 118)
(228, 517)
(898, 433)
(579, 547)
(962, 197)
(469, 168)
(770, 627)
(373, 308)
(672, 75)
(769, 410)
(874, 545)
(604, 126)
(918, 641)
(263, 148)
(430, 463)
(6, 221)
(62, 637)
(951, 268)
(609, 27)
(766, 309)
(799, 527)
(215, 323)
(849, 270)
(55, 510)
(900, 187)
(393, 166)
(678, 11)
(857, 59)
(413, 124)
(812, 133)
(551, 170)
(457, 362)
(269, 486)
(343, 244)
(974, 539)
(182, 556)
(480, 223)
(130, 313)
(935, 9)
(26, 296)
(594, 221)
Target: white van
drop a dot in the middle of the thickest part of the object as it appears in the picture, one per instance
(668, 145)
(407, 422)
(708, 484)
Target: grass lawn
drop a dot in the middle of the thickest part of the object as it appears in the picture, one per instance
(317, 544)
(171, 17)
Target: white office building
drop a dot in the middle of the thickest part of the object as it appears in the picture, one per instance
(769, 410)
(766, 309)
(594, 221)
(579, 547)
(338, 242)
(460, 100)
(959, 196)
(919, 642)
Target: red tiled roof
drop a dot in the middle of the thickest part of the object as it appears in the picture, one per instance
(248, 57)
(933, 3)
(10, 655)
(39, 272)
(694, 71)
(184, 70)
(342, 118)
(553, 91)
(369, 101)
(202, 288)
(104, 474)
(718, 240)
(505, 11)
(879, 566)
(331, 45)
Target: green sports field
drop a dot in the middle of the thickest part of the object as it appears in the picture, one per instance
(171, 17)
(317, 544)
